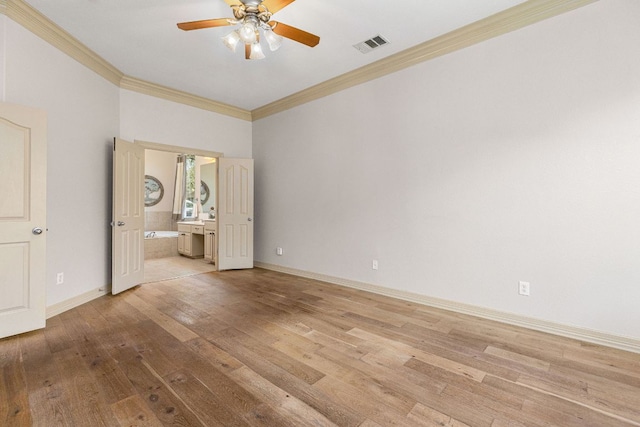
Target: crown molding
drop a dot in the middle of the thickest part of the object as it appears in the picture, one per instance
(43, 27)
(577, 333)
(517, 17)
(512, 19)
(174, 95)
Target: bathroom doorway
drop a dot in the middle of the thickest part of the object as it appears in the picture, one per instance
(162, 258)
(229, 242)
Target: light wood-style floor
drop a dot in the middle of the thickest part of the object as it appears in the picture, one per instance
(158, 269)
(259, 348)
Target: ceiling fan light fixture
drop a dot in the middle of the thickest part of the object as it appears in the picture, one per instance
(256, 51)
(274, 40)
(252, 18)
(231, 40)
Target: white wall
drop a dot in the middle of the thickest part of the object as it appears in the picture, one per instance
(150, 119)
(85, 113)
(3, 24)
(162, 166)
(516, 159)
(82, 111)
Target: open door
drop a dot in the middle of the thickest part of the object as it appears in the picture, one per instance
(127, 263)
(235, 213)
(23, 177)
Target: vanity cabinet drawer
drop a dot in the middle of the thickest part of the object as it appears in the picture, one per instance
(185, 228)
(197, 229)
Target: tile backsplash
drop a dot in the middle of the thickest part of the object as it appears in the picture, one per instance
(159, 221)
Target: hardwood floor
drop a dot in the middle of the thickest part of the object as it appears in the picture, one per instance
(158, 269)
(259, 348)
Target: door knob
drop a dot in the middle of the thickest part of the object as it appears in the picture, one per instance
(249, 219)
(37, 231)
(120, 223)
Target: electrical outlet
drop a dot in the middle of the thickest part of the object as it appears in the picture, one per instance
(59, 278)
(524, 288)
(279, 251)
(374, 264)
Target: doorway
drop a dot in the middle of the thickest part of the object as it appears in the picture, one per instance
(229, 238)
(162, 258)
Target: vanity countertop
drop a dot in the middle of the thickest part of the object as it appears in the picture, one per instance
(191, 222)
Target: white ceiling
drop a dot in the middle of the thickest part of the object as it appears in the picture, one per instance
(140, 38)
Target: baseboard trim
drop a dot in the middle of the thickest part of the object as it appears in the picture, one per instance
(61, 307)
(582, 334)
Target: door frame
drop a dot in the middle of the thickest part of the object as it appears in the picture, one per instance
(147, 145)
(177, 149)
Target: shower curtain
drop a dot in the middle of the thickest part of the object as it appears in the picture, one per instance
(180, 188)
(185, 207)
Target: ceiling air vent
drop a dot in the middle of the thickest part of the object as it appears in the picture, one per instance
(371, 44)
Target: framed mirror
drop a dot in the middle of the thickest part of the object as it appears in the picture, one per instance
(153, 190)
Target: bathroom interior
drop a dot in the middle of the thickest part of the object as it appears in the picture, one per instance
(166, 209)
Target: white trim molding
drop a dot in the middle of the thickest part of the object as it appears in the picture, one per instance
(61, 307)
(25, 15)
(512, 19)
(581, 334)
(43, 27)
(164, 92)
(177, 149)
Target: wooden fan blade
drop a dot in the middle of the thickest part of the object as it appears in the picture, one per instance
(275, 5)
(206, 23)
(294, 33)
(247, 51)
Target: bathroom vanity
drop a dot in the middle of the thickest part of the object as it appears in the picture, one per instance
(197, 239)
(191, 239)
(210, 240)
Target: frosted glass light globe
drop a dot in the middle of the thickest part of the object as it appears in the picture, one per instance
(274, 40)
(231, 40)
(256, 51)
(248, 33)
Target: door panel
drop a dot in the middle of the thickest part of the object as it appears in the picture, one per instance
(128, 216)
(235, 213)
(23, 162)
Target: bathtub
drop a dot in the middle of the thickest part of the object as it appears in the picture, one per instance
(160, 234)
(160, 244)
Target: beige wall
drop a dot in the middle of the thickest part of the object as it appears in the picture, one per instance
(85, 113)
(515, 159)
(82, 119)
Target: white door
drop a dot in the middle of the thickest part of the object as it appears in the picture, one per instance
(23, 177)
(235, 213)
(127, 244)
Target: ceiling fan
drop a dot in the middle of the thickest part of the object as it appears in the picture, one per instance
(252, 16)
